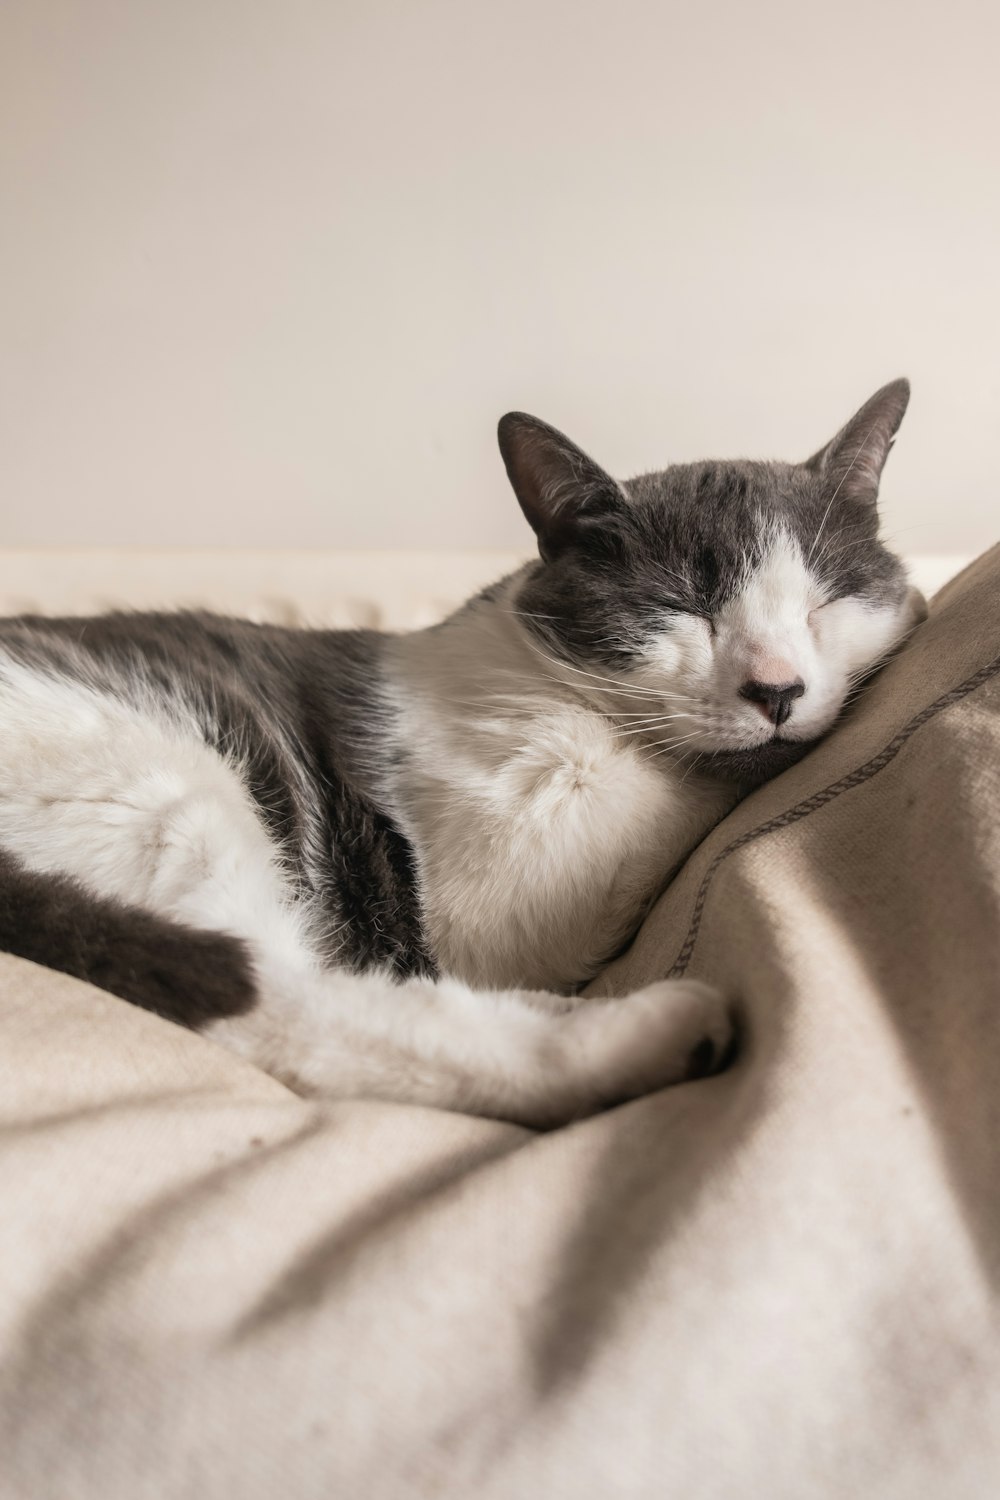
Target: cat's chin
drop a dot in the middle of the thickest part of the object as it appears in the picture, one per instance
(750, 768)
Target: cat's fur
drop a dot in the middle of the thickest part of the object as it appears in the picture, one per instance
(384, 865)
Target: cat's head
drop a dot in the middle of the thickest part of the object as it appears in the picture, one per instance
(744, 599)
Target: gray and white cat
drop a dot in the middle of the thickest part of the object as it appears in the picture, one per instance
(384, 865)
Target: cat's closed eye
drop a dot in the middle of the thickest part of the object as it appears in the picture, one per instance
(818, 609)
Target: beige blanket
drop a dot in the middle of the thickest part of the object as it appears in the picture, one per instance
(778, 1283)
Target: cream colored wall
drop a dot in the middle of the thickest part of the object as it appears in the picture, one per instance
(272, 268)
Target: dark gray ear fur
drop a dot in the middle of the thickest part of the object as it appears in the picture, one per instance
(854, 460)
(558, 487)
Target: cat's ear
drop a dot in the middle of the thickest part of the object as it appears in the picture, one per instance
(853, 462)
(559, 488)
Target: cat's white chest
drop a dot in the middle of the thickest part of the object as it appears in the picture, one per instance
(541, 837)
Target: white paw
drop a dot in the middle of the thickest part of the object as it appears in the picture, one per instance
(670, 1032)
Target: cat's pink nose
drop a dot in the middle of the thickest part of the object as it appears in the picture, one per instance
(774, 699)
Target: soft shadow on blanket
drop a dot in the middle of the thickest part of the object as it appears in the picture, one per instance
(628, 1212)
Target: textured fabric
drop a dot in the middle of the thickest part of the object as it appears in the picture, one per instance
(781, 1282)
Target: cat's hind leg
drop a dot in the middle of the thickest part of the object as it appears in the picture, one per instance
(507, 1054)
(525, 1056)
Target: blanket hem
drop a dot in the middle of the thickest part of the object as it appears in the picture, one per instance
(820, 799)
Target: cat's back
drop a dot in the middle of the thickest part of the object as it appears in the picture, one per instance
(248, 693)
(294, 720)
(185, 653)
(242, 686)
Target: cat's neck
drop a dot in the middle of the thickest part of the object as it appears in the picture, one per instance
(485, 661)
(540, 827)
(478, 661)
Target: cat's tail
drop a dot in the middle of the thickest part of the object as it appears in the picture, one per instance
(184, 974)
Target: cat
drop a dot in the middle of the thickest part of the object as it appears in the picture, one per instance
(385, 865)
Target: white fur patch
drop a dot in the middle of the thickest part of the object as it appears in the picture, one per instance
(132, 803)
(779, 622)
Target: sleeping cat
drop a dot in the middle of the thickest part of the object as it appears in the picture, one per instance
(384, 865)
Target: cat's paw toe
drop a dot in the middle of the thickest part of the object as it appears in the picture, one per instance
(671, 1032)
(703, 1060)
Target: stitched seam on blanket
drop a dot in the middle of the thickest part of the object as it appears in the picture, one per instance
(820, 799)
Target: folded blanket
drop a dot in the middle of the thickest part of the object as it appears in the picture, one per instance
(781, 1282)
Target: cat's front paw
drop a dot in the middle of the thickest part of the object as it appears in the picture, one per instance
(671, 1032)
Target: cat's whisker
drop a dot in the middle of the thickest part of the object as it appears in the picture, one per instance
(633, 723)
(633, 693)
(692, 757)
(621, 688)
(618, 685)
(650, 728)
(664, 747)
